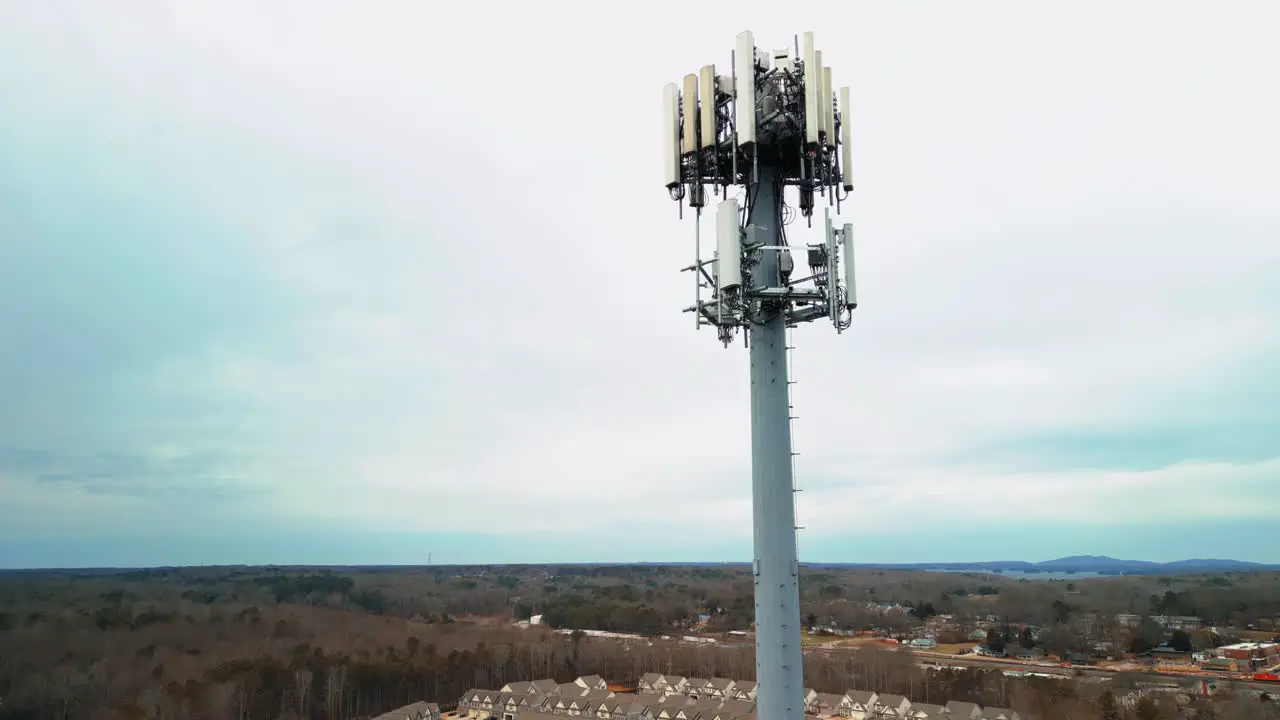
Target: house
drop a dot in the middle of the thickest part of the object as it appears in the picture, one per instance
(688, 712)
(533, 703)
(892, 706)
(572, 689)
(521, 688)
(720, 687)
(696, 687)
(861, 704)
(964, 710)
(544, 687)
(734, 710)
(592, 682)
(648, 682)
(927, 711)
(668, 709)
(626, 708)
(478, 700)
(1178, 622)
(633, 711)
(1222, 664)
(999, 714)
(826, 704)
(1166, 654)
(679, 683)
(810, 697)
(1128, 620)
(584, 705)
(745, 690)
(414, 711)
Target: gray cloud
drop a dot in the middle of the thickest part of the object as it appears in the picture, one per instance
(251, 250)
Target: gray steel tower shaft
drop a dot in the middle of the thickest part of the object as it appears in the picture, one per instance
(779, 673)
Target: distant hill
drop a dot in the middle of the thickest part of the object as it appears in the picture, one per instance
(1099, 564)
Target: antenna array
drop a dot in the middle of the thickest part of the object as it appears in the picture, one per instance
(775, 115)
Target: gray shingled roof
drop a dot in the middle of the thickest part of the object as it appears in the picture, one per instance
(862, 697)
(412, 711)
(962, 710)
(544, 686)
(891, 700)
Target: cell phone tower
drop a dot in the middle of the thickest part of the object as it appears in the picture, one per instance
(771, 124)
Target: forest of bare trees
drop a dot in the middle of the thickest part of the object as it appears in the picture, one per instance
(343, 643)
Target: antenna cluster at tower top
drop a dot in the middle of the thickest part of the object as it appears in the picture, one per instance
(772, 126)
(776, 108)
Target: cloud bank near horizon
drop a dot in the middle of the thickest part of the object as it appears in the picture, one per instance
(275, 275)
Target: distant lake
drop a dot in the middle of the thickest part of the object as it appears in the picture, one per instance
(1021, 575)
(1078, 575)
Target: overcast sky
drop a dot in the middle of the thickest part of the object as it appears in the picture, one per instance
(332, 282)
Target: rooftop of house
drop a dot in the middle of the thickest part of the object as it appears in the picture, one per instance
(861, 696)
(891, 700)
(576, 697)
(1250, 646)
(571, 690)
(830, 699)
(543, 685)
(412, 711)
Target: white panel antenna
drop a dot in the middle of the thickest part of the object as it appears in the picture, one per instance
(689, 137)
(782, 59)
(728, 246)
(810, 98)
(763, 59)
(671, 135)
(820, 117)
(846, 139)
(744, 56)
(707, 93)
(850, 279)
(828, 108)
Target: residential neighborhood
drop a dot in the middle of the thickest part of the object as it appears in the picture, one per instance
(668, 697)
